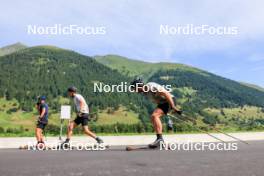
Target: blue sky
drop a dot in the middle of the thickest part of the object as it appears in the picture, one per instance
(132, 28)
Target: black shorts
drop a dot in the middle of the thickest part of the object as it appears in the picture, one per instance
(165, 107)
(41, 125)
(82, 119)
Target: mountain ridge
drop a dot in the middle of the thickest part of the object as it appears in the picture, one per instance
(132, 67)
(111, 61)
(12, 48)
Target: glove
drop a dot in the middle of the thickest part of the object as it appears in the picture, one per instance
(179, 112)
(176, 110)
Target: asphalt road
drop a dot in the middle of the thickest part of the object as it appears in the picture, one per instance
(248, 160)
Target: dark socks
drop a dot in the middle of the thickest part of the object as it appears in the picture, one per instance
(159, 136)
(67, 140)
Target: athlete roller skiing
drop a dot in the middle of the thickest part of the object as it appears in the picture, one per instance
(165, 103)
(82, 118)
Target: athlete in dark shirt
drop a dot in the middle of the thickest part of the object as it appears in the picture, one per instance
(42, 119)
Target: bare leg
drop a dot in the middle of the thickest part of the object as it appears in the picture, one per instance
(155, 118)
(88, 132)
(41, 135)
(71, 126)
(38, 132)
(91, 134)
(157, 125)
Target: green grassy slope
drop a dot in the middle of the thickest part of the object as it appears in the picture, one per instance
(132, 67)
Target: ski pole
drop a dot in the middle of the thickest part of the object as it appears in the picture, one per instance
(245, 142)
(238, 139)
(231, 136)
(197, 128)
